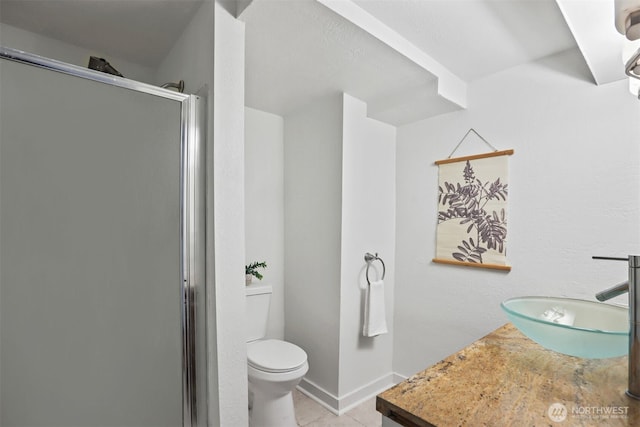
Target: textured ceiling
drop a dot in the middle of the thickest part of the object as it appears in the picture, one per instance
(298, 51)
(301, 49)
(140, 31)
(475, 38)
(591, 22)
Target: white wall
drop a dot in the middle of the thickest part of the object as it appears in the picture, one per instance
(27, 41)
(264, 206)
(209, 57)
(228, 217)
(574, 181)
(192, 59)
(339, 204)
(313, 181)
(368, 225)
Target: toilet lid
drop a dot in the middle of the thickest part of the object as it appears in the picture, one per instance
(275, 356)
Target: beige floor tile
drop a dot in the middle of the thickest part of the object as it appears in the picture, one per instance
(307, 409)
(331, 420)
(366, 413)
(309, 413)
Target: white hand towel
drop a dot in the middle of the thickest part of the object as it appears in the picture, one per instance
(375, 322)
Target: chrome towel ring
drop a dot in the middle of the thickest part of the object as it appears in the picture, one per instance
(369, 258)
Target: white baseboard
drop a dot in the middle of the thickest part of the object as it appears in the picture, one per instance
(320, 395)
(398, 378)
(340, 405)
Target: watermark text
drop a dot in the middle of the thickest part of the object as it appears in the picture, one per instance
(559, 412)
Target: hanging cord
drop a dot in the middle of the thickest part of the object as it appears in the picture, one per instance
(467, 134)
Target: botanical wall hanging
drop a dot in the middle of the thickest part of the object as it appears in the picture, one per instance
(472, 210)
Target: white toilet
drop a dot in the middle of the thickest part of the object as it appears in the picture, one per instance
(275, 367)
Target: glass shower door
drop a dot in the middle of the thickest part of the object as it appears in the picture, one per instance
(92, 262)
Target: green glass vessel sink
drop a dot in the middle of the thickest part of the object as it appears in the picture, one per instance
(587, 329)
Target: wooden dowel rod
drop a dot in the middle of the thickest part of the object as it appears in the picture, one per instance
(473, 264)
(475, 157)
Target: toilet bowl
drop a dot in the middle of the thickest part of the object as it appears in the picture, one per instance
(274, 367)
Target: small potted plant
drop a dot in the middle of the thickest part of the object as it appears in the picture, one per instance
(251, 271)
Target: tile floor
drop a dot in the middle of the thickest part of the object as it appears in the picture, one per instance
(309, 413)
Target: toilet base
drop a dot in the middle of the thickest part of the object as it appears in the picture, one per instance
(272, 411)
(271, 397)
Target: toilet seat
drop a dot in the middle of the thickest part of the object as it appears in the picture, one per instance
(275, 356)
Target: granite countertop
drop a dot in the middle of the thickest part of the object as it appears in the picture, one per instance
(507, 379)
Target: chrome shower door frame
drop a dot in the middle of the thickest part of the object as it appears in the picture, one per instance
(192, 218)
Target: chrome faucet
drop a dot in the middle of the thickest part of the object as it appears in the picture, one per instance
(613, 291)
(633, 287)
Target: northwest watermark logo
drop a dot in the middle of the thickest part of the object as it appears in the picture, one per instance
(558, 412)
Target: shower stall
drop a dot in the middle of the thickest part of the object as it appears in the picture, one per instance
(102, 317)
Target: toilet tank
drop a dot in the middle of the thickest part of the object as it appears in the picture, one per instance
(258, 299)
